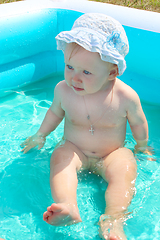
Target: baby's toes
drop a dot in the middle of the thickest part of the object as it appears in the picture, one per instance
(46, 215)
(49, 209)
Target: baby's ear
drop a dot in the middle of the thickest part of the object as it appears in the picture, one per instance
(113, 72)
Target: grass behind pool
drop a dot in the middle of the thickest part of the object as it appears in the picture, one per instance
(8, 1)
(149, 5)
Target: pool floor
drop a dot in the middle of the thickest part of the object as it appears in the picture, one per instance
(24, 178)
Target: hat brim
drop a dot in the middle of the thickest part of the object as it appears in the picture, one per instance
(93, 42)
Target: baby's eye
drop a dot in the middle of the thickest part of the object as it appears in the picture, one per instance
(86, 72)
(69, 67)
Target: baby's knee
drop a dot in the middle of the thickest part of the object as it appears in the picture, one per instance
(126, 155)
(129, 166)
(61, 159)
(129, 160)
(125, 152)
(123, 164)
(67, 155)
(61, 153)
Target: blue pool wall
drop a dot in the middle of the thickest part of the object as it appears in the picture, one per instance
(28, 51)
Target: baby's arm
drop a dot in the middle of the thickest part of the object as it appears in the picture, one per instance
(54, 114)
(137, 121)
(52, 119)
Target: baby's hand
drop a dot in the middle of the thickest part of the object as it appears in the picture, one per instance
(33, 141)
(149, 151)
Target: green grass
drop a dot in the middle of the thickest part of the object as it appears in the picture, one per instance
(8, 1)
(150, 5)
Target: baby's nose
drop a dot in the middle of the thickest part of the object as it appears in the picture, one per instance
(76, 78)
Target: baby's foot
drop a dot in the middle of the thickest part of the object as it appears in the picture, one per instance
(111, 229)
(61, 214)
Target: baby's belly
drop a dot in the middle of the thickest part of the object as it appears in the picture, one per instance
(98, 145)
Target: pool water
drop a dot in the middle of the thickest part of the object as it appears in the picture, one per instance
(24, 178)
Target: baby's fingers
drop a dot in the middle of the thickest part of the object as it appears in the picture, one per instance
(40, 145)
(25, 142)
(27, 145)
(26, 149)
(32, 142)
(150, 150)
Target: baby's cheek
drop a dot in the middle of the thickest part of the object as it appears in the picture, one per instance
(68, 81)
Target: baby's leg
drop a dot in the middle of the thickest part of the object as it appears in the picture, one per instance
(66, 160)
(120, 172)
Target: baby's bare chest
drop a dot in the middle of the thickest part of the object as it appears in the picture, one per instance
(103, 114)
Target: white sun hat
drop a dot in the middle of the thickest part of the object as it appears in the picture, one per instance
(100, 33)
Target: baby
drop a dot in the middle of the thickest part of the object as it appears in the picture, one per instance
(96, 106)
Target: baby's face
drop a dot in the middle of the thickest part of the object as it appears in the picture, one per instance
(85, 72)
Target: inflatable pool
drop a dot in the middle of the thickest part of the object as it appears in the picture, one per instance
(30, 67)
(28, 47)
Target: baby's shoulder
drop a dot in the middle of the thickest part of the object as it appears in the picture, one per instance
(61, 88)
(125, 90)
(61, 85)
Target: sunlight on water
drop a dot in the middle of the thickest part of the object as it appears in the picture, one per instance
(24, 179)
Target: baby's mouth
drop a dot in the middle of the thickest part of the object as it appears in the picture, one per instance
(77, 88)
